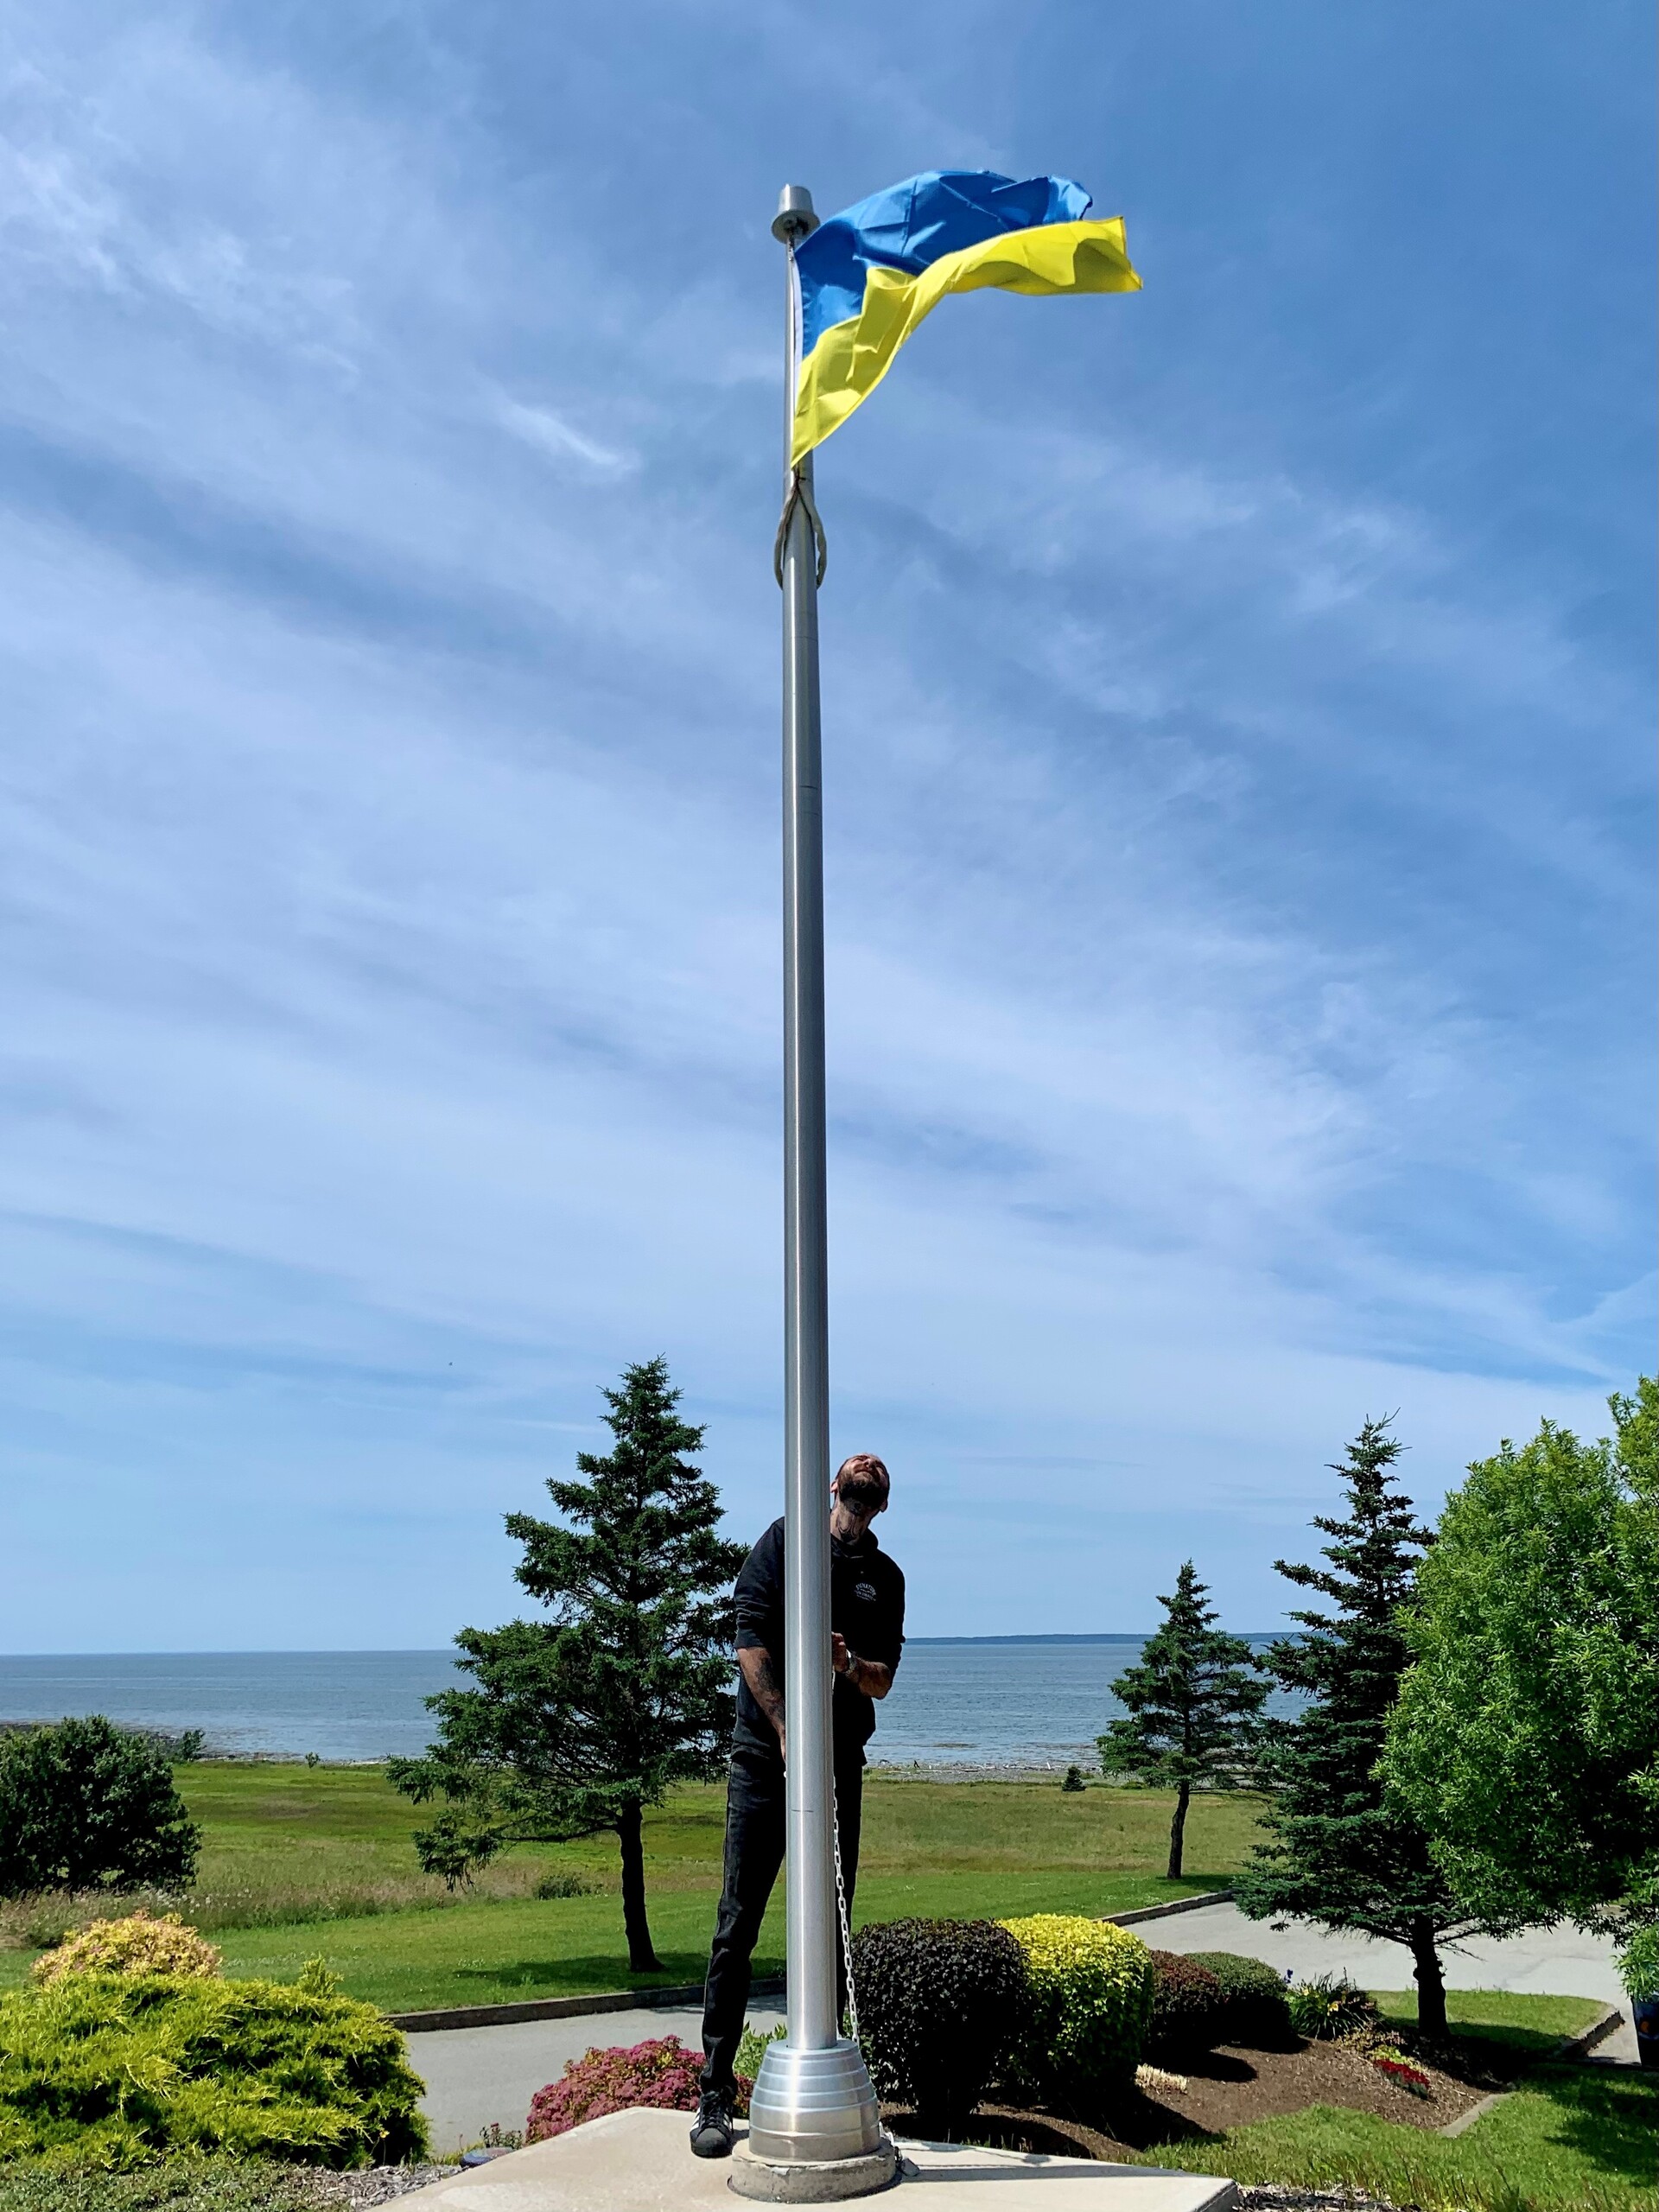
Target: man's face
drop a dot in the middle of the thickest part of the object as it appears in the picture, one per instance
(862, 1496)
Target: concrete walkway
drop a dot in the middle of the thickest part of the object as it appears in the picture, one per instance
(1541, 1962)
(475, 2076)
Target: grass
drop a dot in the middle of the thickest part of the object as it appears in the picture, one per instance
(1530, 2026)
(1571, 2139)
(1575, 2140)
(301, 1862)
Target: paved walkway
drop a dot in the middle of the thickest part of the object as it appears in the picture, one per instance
(477, 2075)
(1542, 1962)
(1546, 1961)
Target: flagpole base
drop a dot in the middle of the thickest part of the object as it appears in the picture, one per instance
(813, 2181)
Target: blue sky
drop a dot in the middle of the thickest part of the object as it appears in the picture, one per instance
(1237, 704)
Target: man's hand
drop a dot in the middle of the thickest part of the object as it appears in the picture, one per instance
(868, 1676)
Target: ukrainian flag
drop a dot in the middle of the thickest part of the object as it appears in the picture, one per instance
(869, 275)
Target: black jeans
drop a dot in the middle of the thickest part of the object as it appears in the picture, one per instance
(755, 1851)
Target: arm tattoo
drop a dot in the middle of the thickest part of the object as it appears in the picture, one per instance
(756, 1662)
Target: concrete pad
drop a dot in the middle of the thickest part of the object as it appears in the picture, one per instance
(641, 2162)
(477, 2077)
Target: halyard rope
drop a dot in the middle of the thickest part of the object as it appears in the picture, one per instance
(800, 495)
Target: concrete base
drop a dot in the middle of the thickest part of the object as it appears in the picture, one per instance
(826, 2180)
(641, 2162)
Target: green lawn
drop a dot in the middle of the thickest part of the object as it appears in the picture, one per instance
(1533, 2026)
(303, 1862)
(1572, 2140)
(1575, 2140)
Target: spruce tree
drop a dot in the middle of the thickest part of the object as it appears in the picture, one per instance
(1194, 1703)
(580, 1721)
(1340, 1851)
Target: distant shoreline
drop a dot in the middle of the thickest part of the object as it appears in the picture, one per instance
(444, 1650)
(1115, 1636)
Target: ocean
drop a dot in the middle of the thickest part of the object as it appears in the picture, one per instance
(962, 1703)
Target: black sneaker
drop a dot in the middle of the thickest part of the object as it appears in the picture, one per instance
(715, 2130)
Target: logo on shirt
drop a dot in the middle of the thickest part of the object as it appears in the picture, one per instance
(865, 1592)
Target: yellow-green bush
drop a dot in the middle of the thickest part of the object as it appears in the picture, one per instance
(1089, 2006)
(137, 1945)
(116, 2070)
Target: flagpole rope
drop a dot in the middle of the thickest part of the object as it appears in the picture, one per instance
(800, 495)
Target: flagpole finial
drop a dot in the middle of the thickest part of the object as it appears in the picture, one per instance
(795, 220)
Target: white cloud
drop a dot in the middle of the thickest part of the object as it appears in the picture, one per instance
(560, 441)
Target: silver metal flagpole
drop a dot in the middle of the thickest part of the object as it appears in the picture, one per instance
(813, 2103)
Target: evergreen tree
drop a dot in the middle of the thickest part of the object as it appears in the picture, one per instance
(1194, 1703)
(1340, 1851)
(579, 1722)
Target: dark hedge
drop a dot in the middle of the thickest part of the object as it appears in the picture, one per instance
(1257, 2010)
(1188, 2006)
(939, 2003)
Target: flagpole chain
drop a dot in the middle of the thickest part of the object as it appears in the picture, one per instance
(841, 1904)
(800, 493)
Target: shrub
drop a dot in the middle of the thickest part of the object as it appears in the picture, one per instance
(1638, 1964)
(85, 1805)
(106, 2070)
(1188, 2006)
(137, 1945)
(939, 2002)
(659, 2072)
(563, 1882)
(1256, 2012)
(1074, 1780)
(214, 2184)
(1329, 2006)
(1090, 2002)
(752, 2049)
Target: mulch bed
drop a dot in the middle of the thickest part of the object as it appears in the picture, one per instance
(1233, 2085)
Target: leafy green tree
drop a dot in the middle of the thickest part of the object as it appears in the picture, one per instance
(1338, 1850)
(579, 1722)
(1526, 1739)
(85, 1804)
(1194, 1705)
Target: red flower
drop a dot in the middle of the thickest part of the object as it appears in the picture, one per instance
(1409, 2077)
(662, 2073)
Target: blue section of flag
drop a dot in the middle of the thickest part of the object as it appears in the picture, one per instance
(911, 225)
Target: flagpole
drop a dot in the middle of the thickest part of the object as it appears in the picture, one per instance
(813, 2105)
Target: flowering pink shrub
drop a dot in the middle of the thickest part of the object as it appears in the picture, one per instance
(662, 2073)
(1407, 2077)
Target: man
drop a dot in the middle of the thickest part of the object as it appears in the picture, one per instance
(867, 1624)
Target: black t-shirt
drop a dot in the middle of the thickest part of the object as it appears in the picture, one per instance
(867, 1604)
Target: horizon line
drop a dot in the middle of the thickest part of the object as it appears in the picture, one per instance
(440, 1651)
